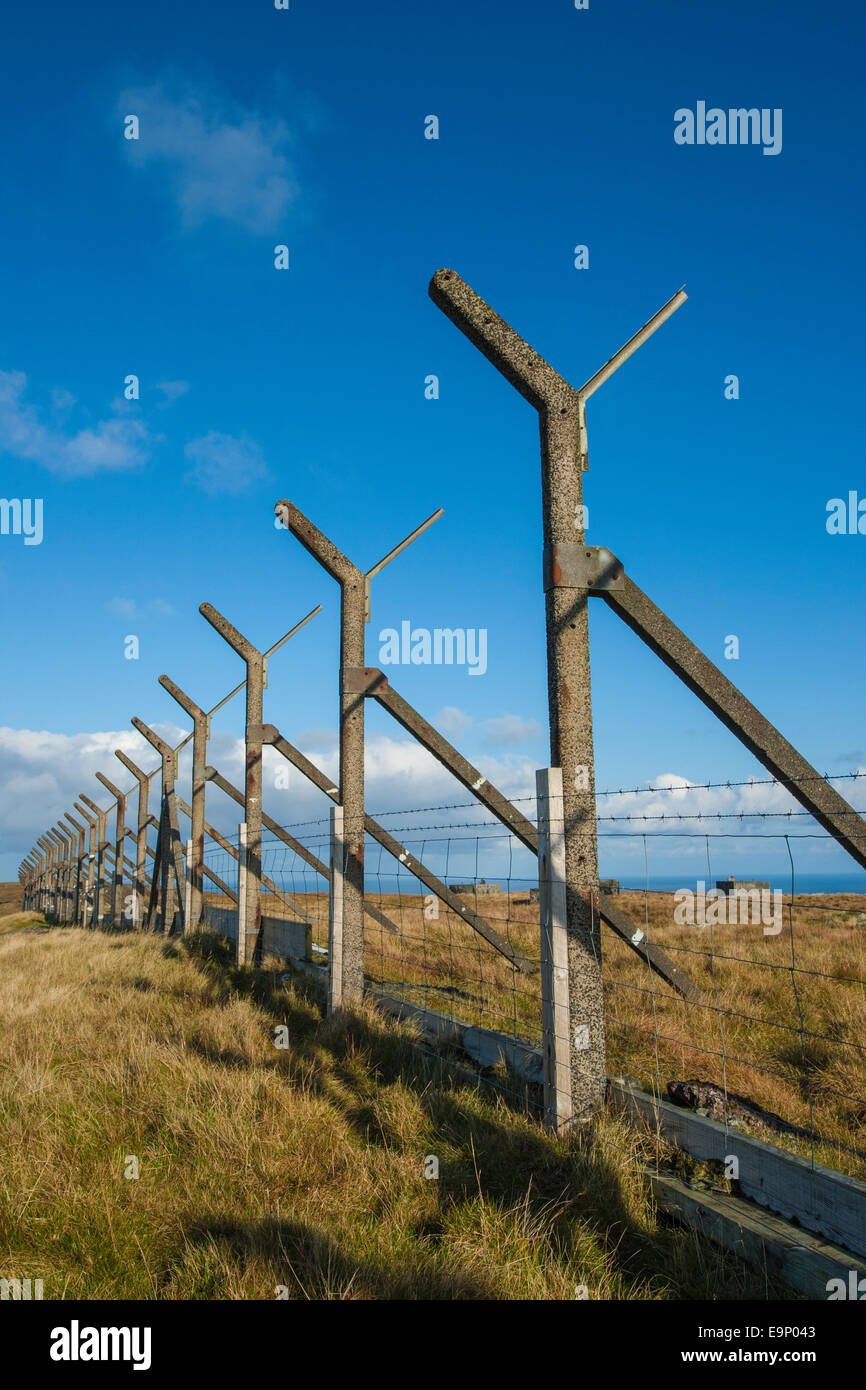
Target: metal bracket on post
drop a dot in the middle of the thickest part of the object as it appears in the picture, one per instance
(591, 567)
(364, 680)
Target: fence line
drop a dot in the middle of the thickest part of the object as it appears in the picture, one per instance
(542, 971)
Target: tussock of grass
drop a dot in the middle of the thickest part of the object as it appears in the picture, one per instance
(304, 1167)
(17, 921)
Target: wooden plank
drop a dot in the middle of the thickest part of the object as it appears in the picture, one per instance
(283, 936)
(187, 889)
(485, 1046)
(241, 948)
(802, 1260)
(335, 911)
(827, 1203)
(555, 1011)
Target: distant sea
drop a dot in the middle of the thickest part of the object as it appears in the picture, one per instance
(803, 883)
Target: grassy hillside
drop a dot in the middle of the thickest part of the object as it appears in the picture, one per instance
(10, 898)
(304, 1167)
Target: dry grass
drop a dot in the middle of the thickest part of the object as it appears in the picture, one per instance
(10, 898)
(793, 1041)
(304, 1167)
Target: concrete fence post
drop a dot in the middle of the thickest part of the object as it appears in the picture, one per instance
(52, 877)
(45, 905)
(562, 430)
(556, 1031)
(201, 726)
(62, 846)
(119, 838)
(140, 888)
(354, 687)
(243, 890)
(250, 922)
(87, 895)
(353, 590)
(79, 867)
(335, 910)
(168, 871)
(43, 877)
(101, 818)
(55, 876)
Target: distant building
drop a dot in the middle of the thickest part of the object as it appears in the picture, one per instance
(731, 885)
(610, 886)
(482, 886)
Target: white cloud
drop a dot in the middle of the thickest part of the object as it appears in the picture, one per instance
(159, 608)
(121, 443)
(224, 462)
(128, 608)
(221, 161)
(121, 607)
(452, 722)
(172, 390)
(42, 774)
(510, 728)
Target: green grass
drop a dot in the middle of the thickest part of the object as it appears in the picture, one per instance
(304, 1167)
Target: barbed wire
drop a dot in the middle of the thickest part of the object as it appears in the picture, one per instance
(648, 790)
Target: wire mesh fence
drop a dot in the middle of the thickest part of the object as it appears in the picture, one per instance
(772, 1041)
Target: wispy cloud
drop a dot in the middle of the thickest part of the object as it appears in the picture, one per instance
(509, 729)
(225, 462)
(222, 160)
(504, 730)
(128, 608)
(120, 443)
(172, 391)
(452, 721)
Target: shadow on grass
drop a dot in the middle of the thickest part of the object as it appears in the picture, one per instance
(310, 1265)
(489, 1141)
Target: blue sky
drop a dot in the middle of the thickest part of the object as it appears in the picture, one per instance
(306, 128)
